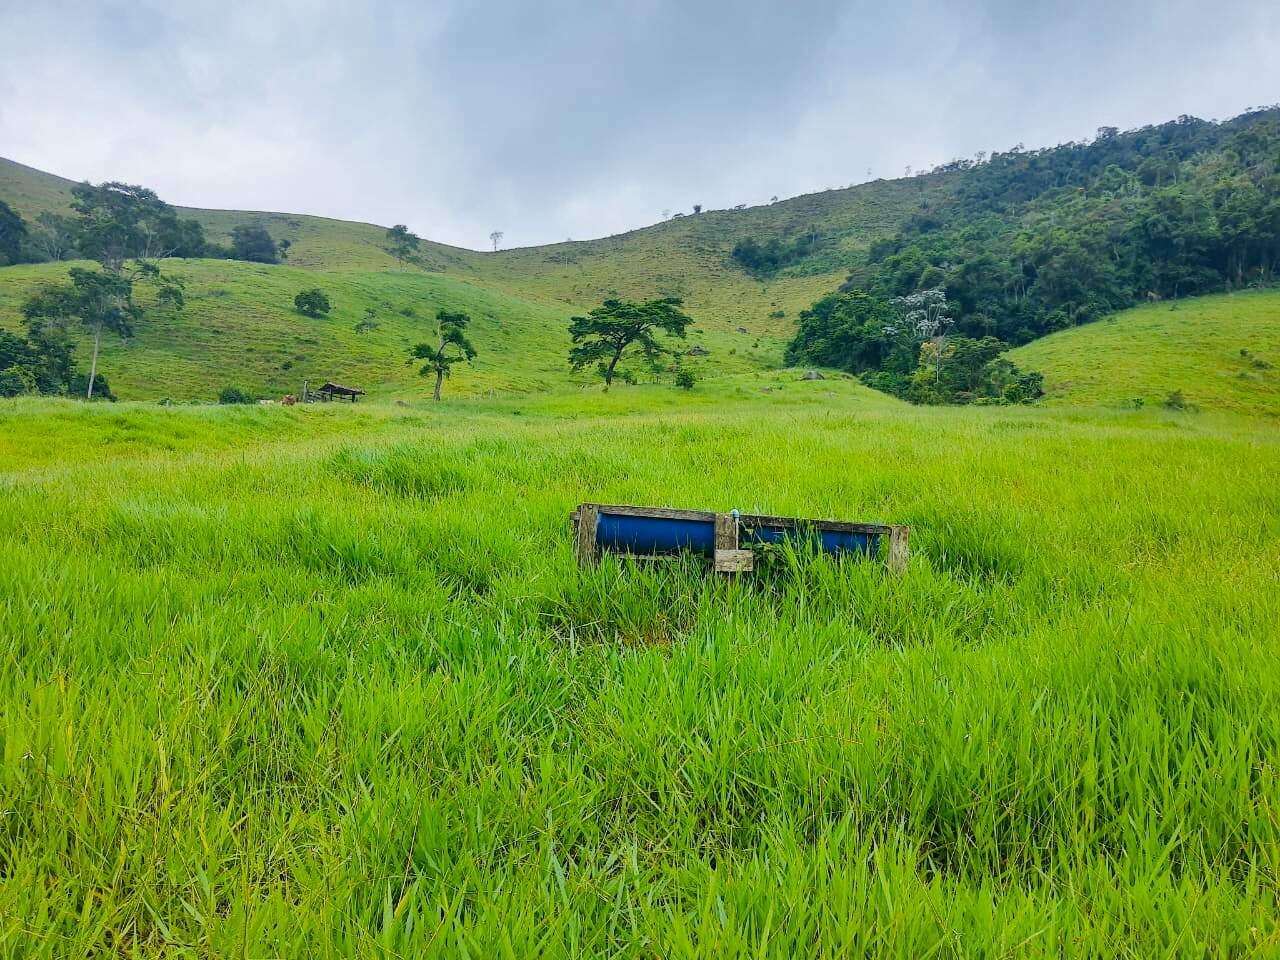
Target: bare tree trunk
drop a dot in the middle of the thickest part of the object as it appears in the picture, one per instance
(439, 381)
(608, 374)
(93, 367)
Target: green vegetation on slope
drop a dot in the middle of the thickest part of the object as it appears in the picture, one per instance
(1034, 242)
(240, 327)
(687, 257)
(327, 681)
(1222, 352)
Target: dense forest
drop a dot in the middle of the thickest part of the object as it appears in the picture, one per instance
(1030, 242)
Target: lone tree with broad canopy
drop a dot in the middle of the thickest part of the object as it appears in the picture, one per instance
(608, 331)
(402, 243)
(252, 242)
(125, 228)
(454, 348)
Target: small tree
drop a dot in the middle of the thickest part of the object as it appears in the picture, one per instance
(369, 322)
(604, 334)
(401, 243)
(312, 303)
(55, 236)
(253, 243)
(283, 246)
(98, 300)
(454, 348)
(697, 208)
(496, 237)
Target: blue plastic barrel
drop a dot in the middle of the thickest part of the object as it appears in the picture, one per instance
(652, 535)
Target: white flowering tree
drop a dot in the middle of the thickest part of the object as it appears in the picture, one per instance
(923, 316)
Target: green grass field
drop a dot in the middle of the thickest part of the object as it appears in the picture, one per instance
(1194, 346)
(327, 682)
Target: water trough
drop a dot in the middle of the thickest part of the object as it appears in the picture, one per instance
(724, 538)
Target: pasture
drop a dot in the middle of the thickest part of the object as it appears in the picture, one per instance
(328, 682)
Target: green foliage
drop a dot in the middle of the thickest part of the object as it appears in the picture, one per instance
(233, 395)
(850, 330)
(79, 387)
(116, 222)
(312, 303)
(252, 242)
(402, 244)
(13, 235)
(1035, 242)
(454, 347)
(16, 380)
(607, 332)
(766, 259)
(685, 378)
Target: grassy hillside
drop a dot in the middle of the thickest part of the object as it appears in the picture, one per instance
(687, 257)
(1149, 352)
(327, 682)
(240, 328)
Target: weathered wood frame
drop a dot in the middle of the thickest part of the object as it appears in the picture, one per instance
(729, 555)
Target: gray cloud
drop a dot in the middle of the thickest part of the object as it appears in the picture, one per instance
(558, 119)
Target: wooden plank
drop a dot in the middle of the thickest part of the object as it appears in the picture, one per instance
(750, 521)
(734, 561)
(669, 513)
(726, 532)
(585, 533)
(899, 548)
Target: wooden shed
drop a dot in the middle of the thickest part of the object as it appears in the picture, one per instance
(330, 391)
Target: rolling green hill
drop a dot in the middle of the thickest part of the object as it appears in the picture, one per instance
(240, 326)
(1222, 352)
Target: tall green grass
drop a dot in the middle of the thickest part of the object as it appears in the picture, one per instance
(273, 687)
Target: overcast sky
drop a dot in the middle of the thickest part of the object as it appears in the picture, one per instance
(559, 119)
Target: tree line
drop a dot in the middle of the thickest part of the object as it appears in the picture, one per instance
(54, 237)
(1031, 242)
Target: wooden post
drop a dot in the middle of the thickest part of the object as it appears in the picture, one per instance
(899, 548)
(586, 518)
(728, 558)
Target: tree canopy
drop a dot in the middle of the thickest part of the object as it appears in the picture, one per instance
(252, 242)
(312, 303)
(401, 243)
(454, 347)
(608, 331)
(1030, 242)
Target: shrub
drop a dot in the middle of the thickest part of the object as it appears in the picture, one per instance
(79, 386)
(685, 378)
(15, 381)
(233, 395)
(312, 303)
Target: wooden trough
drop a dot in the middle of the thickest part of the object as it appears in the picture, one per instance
(724, 538)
